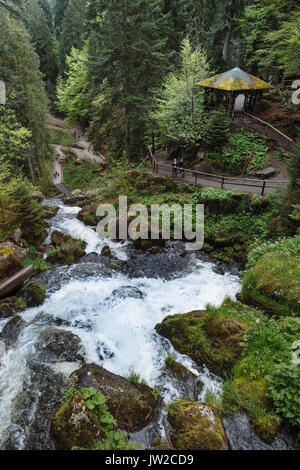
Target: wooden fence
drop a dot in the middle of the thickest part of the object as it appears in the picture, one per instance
(247, 185)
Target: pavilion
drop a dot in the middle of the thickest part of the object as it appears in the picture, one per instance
(235, 90)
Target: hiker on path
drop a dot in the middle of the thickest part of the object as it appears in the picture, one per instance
(182, 166)
(174, 168)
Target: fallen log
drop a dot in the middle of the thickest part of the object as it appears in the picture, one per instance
(10, 284)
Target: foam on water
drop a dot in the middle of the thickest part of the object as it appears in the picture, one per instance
(66, 221)
(115, 319)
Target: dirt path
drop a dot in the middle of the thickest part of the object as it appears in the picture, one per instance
(83, 149)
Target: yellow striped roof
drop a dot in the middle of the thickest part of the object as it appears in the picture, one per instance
(234, 80)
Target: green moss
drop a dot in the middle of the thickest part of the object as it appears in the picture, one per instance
(74, 425)
(34, 294)
(196, 426)
(206, 338)
(20, 304)
(273, 283)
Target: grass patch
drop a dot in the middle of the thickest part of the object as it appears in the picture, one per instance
(273, 277)
(136, 379)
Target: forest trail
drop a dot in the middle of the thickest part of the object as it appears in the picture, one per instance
(83, 149)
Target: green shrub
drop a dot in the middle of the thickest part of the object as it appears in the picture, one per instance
(240, 146)
(284, 386)
(61, 137)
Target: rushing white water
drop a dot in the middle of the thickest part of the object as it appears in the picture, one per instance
(115, 319)
(65, 221)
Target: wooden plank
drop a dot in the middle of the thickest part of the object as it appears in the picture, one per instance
(10, 284)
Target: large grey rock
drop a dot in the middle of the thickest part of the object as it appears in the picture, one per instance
(265, 173)
(133, 406)
(11, 331)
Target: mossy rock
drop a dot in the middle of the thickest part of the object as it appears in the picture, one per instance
(191, 383)
(50, 211)
(67, 252)
(215, 343)
(223, 202)
(266, 424)
(196, 426)
(73, 425)
(88, 216)
(58, 239)
(6, 310)
(133, 406)
(106, 251)
(33, 294)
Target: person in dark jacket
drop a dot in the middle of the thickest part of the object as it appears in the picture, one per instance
(174, 168)
(182, 166)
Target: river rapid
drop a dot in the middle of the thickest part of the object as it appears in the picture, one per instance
(114, 313)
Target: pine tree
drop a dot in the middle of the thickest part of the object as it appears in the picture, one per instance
(59, 13)
(38, 26)
(30, 212)
(128, 60)
(26, 94)
(72, 30)
(217, 130)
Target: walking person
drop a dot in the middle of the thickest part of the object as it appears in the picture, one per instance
(174, 168)
(182, 166)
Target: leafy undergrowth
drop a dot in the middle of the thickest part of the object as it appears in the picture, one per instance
(61, 137)
(96, 403)
(33, 260)
(82, 176)
(245, 151)
(258, 384)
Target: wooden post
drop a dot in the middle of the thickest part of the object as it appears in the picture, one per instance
(223, 181)
(263, 189)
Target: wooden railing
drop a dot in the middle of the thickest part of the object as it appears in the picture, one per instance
(222, 182)
(271, 132)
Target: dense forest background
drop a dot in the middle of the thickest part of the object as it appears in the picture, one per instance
(126, 69)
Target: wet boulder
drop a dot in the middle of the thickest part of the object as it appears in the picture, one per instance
(88, 216)
(68, 250)
(196, 426)
(12, 330)
(190, 384)
(50, 211)
(77, 198)
(60, 346)
(150, 236)
(214, 342)
(33, 294)
(6, 309)
(133, 406)
(10, 305)
(74, 425)
(106, 251)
